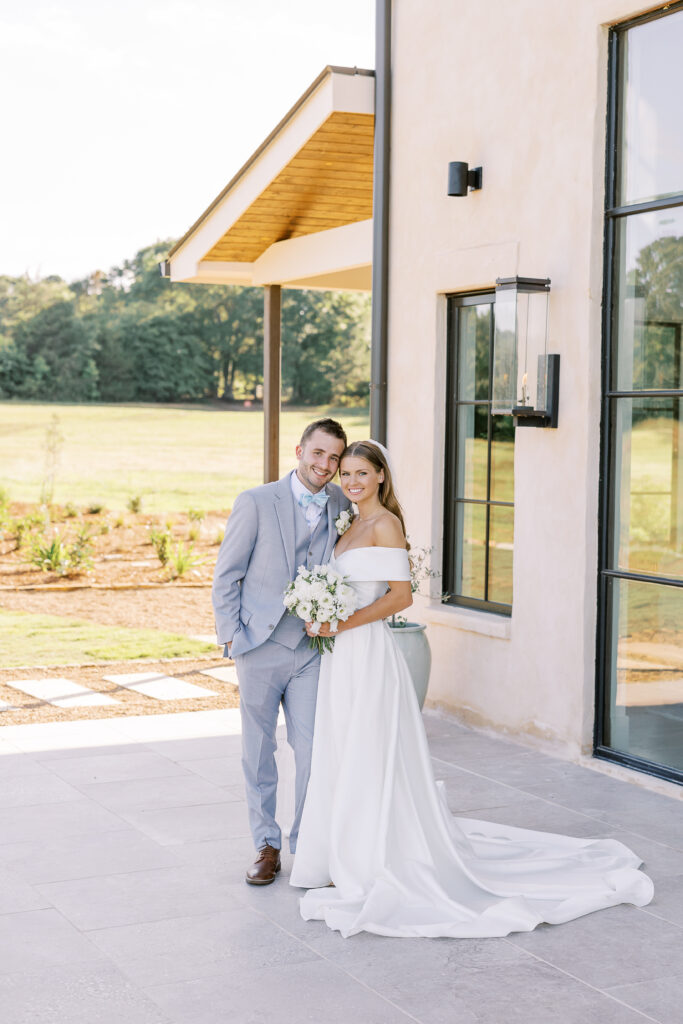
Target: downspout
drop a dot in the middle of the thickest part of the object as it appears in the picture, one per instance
(380, 223)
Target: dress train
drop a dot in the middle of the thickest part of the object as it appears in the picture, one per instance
(377, 825)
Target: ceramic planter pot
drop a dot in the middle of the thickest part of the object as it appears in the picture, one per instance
(414, 646)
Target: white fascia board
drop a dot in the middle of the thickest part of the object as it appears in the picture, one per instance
(350, 93)
(336, 258)
(356, 279)
(353, 94)
(214, 272)
(325, 252)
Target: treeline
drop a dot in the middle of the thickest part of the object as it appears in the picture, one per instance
(131, 336)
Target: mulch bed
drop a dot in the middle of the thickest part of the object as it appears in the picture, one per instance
(173, 608)
(124, 555)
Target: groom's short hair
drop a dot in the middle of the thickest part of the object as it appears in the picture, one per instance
(331, 427)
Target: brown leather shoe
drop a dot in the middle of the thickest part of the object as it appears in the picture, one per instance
(265, 867)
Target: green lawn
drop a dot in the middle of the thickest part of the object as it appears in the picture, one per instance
(176, 457)
(53, 640)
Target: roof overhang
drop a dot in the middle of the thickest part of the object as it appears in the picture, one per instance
(299, 213)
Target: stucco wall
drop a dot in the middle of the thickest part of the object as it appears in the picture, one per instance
(519, 89)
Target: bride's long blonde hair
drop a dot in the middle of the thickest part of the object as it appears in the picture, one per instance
(387, 496)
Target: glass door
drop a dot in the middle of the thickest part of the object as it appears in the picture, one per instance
(640, 636)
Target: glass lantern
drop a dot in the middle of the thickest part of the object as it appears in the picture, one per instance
(525, 377)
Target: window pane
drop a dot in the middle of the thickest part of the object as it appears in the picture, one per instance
(652, 113)
(647, 475)
(502, 459)
(471, 550)
(500, 554)
(644, 705)
(472, 452)
(474, 342)
(480, 457)
(649, 307)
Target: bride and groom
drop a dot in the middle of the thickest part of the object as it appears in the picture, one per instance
(375, 844)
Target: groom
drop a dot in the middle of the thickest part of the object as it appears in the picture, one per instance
(272, 530)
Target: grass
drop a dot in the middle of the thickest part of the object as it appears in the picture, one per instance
(52, 640)
(173, 457)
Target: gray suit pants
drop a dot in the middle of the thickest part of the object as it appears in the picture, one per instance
(270, 675)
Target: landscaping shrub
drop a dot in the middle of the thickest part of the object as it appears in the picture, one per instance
(182, 559)
(161, 541)
(56, 555)
(21, 528)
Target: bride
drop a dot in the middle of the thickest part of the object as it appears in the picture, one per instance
(378, 849)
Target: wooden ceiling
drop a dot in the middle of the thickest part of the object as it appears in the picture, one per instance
(327, 184)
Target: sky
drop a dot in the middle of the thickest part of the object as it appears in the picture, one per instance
(123, 120)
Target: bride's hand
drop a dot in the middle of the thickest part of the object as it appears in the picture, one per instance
(323, 630)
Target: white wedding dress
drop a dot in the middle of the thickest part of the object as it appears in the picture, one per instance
(376, 824)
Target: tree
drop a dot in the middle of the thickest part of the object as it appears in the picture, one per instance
(657, 284)
(22, 298)
(51, 357)
(232, 329)
(128, 334)
(325, 347)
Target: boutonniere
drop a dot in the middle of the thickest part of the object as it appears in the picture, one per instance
(343, 521)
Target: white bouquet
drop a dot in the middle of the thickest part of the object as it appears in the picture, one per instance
(320, 595)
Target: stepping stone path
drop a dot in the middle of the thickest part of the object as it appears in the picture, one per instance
(63, 693)
(151, 684)
(225, 674)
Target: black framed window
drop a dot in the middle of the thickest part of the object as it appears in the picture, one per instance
(479, 519)
(640, 630)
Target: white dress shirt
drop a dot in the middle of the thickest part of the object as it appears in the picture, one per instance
(313, 512)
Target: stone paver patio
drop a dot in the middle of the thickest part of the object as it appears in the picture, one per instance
(123, 844)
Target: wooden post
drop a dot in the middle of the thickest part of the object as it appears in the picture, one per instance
(271, 382)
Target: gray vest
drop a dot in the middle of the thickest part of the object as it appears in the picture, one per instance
(310, 549)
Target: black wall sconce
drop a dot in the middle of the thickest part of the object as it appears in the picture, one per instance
(526, 380)
(461, 179)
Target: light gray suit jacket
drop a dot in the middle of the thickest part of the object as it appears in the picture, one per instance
(256, 562)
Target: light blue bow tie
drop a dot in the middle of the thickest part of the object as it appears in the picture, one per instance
(319, 499)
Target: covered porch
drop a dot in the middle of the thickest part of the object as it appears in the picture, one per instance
(298, 214)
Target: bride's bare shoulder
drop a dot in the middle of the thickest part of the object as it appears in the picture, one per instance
(388, 532)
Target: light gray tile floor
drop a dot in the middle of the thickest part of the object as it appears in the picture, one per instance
(123, 844)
